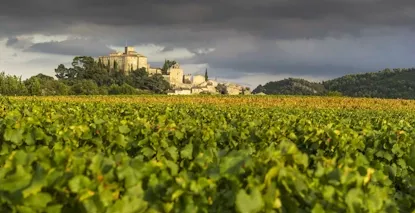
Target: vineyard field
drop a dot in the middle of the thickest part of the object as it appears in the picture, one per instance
(247, 154)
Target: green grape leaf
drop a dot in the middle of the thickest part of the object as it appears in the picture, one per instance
(173, 153)
(187, 151)
(39, 180)
(148, 152)
(249, 203)
(78, 183)
(124, 129)
(318, 208)
(13, 135)
(39, 200)
(120, 140)
(16, 181)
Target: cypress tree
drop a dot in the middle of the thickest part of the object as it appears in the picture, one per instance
(99, 63)
(206, 75)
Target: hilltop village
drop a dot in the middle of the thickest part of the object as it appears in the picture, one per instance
(182, 84)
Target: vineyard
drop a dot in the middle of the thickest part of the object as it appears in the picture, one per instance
(206, 154)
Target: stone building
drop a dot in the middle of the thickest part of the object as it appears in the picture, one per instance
(126, 61)
(182, 84)
(198, 79)
(175, 75)
(187, 79)
(153, 71)
(235, 89)
(181, 92)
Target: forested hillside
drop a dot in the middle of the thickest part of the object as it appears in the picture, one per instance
(396, 83)
(291, 86)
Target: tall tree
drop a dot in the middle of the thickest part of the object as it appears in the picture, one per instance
(33, 86)
(11, 85)
(99, 63)
(44, 77)
(206, 75)
(167, 65)
(85, 87)
(61, 72)
(115, 66)
(157, 84)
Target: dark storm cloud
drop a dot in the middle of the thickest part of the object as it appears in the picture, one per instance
(242, 32)
(277, 18)
(11, 41)
(167, 49)
(271, 63)
(72, 47)
(16, 43)
(323, 57)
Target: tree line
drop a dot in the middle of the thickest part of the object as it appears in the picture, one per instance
(86, 77)
(387, 83)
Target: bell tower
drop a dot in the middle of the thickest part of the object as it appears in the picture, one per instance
(128, 49)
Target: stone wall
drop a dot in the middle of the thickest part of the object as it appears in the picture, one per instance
(198, 79)
(130, 63)
(213, 83)
(207, 89)
(187, 79)
(142, 62)
(176, 75)
(235, 89)
(117, 56)
(153, 71)
(197, 90)
(181, 92)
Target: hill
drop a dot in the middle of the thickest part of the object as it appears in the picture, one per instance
(395, 83)
(291, 86)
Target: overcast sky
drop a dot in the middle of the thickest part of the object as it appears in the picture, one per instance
(243, 41)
